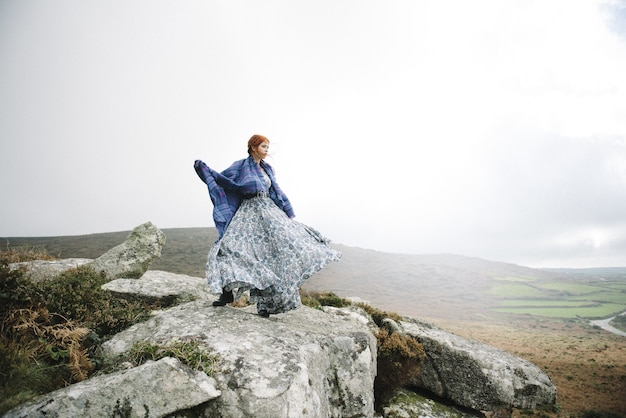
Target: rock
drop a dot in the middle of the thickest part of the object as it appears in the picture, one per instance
(476, 375)
(155, 285)
(349, 314)
(307, 362)
(132, 258)
(39, 270)
(302, 363)
(355, 300)
(408, 404)
(154, 389)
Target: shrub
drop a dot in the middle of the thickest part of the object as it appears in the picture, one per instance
(51, 329)
(78, 294)
(399, 362)
(378, 315)
(330, 299)
(310, 299)
(21, 254)
(315, 299)
(40, 351)
(619, 322)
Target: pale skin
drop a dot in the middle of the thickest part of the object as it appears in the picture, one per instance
(261, 151)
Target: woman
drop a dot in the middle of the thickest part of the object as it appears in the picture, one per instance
(260, 247)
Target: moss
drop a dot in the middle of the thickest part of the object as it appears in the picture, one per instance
(189, 352)
(316, 299)
(405, 403)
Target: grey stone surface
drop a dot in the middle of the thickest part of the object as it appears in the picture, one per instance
(477, 375)
(154, 389)
(305, 363)
(38, 270)
(302, 363)
(407, 404)
(161, 286)
(132, 258)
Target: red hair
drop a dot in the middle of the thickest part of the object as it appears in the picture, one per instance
(255, 141)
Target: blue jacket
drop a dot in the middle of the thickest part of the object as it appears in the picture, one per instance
(228, 188)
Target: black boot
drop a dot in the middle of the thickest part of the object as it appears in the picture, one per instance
(264, 314)
(225, 297)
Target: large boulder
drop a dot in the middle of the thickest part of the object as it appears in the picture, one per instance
(162, 286)
(130, 259)
(133, 257)
(304, 363)
(307, 362)
(476, 375)
(154, 389)
(38, 270)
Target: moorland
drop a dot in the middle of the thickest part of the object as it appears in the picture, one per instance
(540, 315)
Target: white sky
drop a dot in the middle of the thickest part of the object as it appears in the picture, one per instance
(489, 128)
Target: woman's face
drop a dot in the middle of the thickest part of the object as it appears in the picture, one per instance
(262, 150)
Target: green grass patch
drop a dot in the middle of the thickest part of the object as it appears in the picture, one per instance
(545, 303)
(571, 288)
(523, 279)
(606, 296)
(189, 352)
(592, 312)
(515, 290)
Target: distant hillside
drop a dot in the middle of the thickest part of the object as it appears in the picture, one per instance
(437, 286)
(185, 249)
(420, 285)
(426, 286)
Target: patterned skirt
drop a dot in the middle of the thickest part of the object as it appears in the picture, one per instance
(268, 254)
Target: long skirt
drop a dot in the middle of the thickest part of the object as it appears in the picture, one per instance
(265, 252)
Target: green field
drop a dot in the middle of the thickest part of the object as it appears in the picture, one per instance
(522, 279)
(571, 288)
(546, 303)
(590, 312)
(604, 296)
(559, 299)
(515, 290)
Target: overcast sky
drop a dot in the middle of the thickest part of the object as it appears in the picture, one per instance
(487, 128)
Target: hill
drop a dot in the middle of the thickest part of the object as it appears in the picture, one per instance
(426, 286)
(416, 285)
(474, 298)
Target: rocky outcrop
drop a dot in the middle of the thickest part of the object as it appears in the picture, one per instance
(305, 363)
(476, 375)
(171, 386)
(468, 373)
(132, 258)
